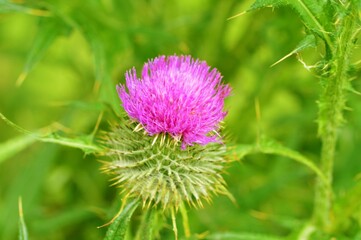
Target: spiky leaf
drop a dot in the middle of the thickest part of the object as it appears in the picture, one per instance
(316, 14)
(307, 42)
(84, 143)
(270, 146)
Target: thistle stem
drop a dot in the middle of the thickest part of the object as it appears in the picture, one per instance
(331, 105)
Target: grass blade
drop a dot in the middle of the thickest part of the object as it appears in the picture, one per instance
(23, 232)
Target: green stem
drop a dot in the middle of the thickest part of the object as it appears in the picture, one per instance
(331, 105)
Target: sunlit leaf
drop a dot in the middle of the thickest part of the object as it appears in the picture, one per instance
(118, 228)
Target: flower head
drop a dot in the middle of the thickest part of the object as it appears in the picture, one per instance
(179, 98)
(176, 95)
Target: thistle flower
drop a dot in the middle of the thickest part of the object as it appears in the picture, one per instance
(179, 102)
(176, 95)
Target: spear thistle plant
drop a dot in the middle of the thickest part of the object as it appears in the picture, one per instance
(333, 26)
(169, 150)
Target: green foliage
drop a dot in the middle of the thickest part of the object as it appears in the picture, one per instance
(71, 55)
(337, 25)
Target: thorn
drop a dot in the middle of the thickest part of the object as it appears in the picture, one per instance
(217, 133)
(237, 15)
(155, 139)
(138, 128)
(185, 220)
(287, 56)
(175, 230)
(162, 139)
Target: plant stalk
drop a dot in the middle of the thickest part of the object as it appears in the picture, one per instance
(331, 106)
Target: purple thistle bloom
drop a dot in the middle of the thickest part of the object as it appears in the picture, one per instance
(176, 95)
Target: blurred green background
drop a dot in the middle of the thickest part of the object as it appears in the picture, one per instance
(74, 54)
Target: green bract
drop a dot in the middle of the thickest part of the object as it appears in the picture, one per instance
(156, 170)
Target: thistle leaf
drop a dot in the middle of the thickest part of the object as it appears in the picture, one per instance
(316, 14)
(145, 230)
(118, 228)
(308, 42)
(84, 142)
(269, 146)
(272, 147)
(258, 4)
